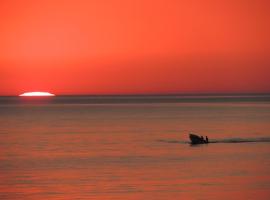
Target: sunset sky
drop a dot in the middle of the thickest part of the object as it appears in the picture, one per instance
(134, 46)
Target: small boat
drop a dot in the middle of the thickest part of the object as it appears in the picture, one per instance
(195, 139)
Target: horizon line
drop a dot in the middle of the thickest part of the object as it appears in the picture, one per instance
(159, 94)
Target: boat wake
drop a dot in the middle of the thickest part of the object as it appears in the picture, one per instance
(226, 140)
(240, 140)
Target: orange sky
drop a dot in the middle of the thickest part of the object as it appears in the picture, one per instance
(134, 46)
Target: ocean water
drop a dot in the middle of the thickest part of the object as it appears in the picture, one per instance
(124, 147)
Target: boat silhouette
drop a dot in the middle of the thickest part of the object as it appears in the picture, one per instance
(196, 139)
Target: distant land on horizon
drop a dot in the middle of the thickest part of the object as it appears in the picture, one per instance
(157, 94)
(136, 99)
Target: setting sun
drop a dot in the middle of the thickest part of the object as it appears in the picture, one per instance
(36, 94)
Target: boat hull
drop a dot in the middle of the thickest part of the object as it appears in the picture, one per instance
(195, 139)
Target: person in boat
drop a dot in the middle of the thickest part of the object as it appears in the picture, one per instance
(206, 139)
(202, 139)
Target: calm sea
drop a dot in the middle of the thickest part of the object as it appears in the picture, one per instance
(134, 147)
